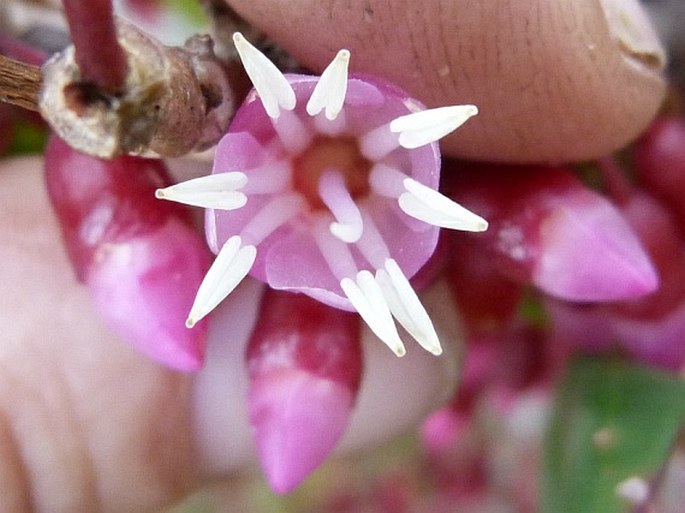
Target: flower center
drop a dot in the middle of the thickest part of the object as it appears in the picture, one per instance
(340, 154)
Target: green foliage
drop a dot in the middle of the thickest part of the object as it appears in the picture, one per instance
(28, 138)
(612, 421)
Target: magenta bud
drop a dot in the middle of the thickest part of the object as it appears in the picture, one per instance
(144, 288)
(305, 364)
(588, 252)
(140, 259)
(649, 330)
(548, 229)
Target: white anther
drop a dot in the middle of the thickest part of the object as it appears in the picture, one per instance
(273, 88)
(429, 206)
(406, 307)
(427, 126)
(331, 88)
(367, 298)
(231, 265)
(348, 226)
(219, 191)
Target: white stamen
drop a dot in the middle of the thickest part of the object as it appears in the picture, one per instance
(336, 253)
(292, 132)
(377, 143)
(231, 265)
(270, 178)
(333, 191)
(367, 298)
(406, 307)
(428, 126)
(387, 181)
(331, 88)
(273, 88)
(217, 191)
(277, 212)
(371, 244)
(429, 206)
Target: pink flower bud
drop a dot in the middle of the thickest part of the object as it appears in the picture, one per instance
(140, 259)
(650, 329)
(304, 361)
(548, 229)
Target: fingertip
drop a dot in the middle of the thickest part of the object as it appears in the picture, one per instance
(554, 81)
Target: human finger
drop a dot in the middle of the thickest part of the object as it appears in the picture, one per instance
(554, 81)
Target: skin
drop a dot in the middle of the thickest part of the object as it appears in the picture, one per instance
(86, 424)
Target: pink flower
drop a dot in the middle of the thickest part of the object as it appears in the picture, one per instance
(328, 186)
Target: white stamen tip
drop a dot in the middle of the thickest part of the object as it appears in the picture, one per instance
(367, 298)
(406, 307)
(429, 206)
(331, 88)
(231, 265)
(425, 127)
(217, 191)
(273, 88)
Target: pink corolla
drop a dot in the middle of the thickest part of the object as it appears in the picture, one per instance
(328, 186)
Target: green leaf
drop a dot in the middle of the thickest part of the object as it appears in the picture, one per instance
(612, 421)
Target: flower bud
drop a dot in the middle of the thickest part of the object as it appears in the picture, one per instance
(140, 259)
(304, 361)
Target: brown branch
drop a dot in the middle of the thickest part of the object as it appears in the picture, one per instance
(19, 83)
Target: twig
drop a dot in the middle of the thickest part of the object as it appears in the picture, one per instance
(19, 83)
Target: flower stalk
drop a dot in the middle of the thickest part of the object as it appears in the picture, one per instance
(97, 52)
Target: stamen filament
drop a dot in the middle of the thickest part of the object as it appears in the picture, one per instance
(377, 143)
(331, 88)
(333, 191)
(331, 127)
(387, 181)
(274, 214)
(425, 127)
(270, 178)
(367, 298)
(218, 191)
(230, 267)
(273, 88)
(371, 244)
(292, 132)
(429, 206)
(335, 252)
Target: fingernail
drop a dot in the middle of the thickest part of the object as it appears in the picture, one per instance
(632, 29)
